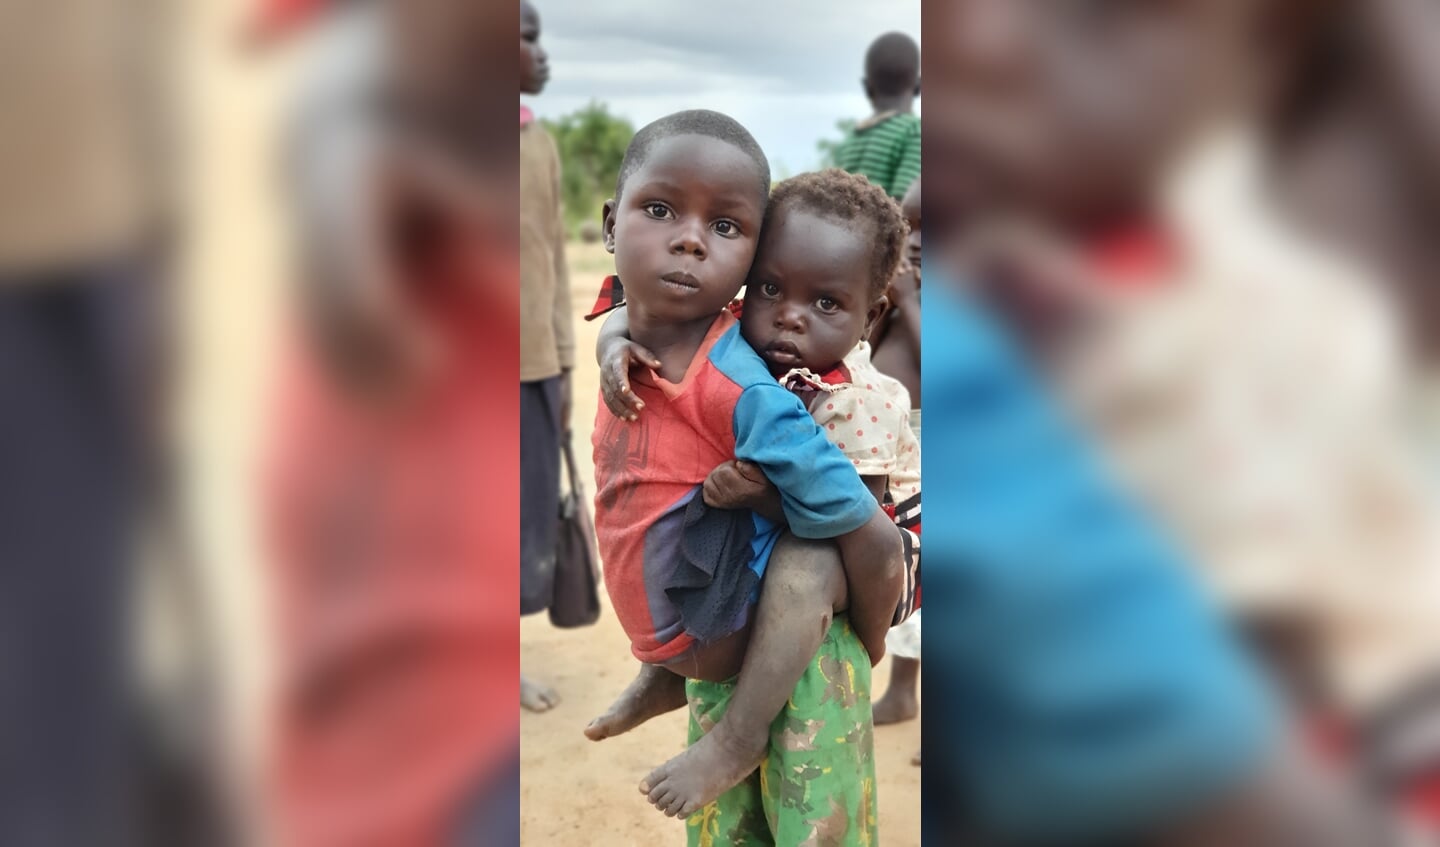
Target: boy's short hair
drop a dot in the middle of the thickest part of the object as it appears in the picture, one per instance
(694, 122)
(892, 64)
(856, 202)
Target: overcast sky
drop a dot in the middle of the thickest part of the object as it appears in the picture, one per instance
(786, 69)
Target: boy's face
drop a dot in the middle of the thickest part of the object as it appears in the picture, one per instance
(807, 302)
(685, 229)
(1072, 108)
(534, 63)
(910, 207)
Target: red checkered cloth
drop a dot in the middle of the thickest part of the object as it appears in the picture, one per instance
(612, 297)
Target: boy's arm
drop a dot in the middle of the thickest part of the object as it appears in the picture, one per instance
(874, 573)
(824, 498)
(742, 485)
(617, 354)
(615, 330)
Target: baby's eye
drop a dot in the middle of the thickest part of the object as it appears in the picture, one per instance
(770, 289)
(727, 228)
(657, 210)
(827, 304)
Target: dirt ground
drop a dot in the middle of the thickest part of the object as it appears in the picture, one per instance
(574, 791)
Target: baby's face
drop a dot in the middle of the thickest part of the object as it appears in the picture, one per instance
(685, 229)
(807, 302)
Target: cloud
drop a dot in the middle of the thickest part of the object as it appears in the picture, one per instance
(786, 70)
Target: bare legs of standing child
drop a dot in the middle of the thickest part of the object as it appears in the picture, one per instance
(902, 696)
(902, 699)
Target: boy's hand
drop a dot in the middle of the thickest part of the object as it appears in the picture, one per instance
(742, 485)
(616, 360)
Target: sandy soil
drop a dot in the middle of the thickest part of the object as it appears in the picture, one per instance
(574, 791)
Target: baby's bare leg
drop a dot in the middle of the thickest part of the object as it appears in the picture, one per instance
(804, 588)
(653, 692)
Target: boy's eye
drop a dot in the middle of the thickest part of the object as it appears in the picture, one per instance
(827, 304)
(657, 210)
(726, 228)
(770, 289)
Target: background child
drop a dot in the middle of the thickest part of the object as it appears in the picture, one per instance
(547, 349)
(896, 341)
(886, 146)
(683, 226)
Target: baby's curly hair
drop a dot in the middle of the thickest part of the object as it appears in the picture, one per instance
(852, 200)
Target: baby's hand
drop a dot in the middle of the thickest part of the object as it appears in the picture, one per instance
(742, 485)
(615, 363)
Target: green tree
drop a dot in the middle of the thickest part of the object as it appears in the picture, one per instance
(592, 145)
(829, 146)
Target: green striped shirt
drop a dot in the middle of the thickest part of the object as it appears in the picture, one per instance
(886, 151)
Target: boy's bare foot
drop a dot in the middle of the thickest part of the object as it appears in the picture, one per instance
(899, 704)
(708, 768)
(654, 691)
(537, 697)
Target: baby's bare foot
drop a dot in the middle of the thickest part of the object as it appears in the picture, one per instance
(708, 768)
(654, 691)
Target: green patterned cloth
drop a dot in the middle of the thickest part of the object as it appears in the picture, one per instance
(816, 785)
(886, 149)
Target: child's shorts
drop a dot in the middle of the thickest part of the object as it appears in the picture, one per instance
(724, 554)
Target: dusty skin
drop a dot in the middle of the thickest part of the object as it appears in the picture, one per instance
(574, 790)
